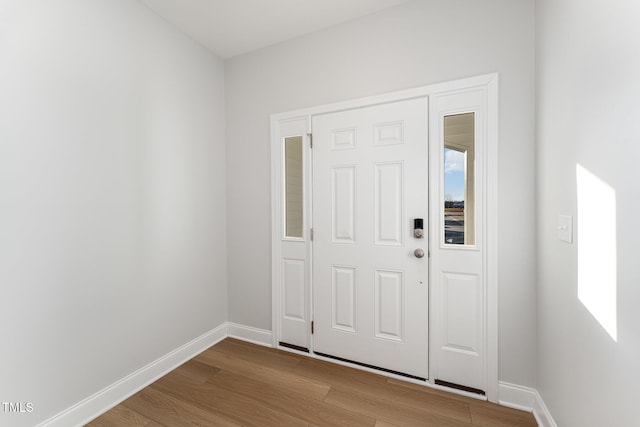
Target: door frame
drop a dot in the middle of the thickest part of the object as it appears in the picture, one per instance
(298, 122)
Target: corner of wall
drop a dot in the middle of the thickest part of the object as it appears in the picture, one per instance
(525, 399)
(105, 399)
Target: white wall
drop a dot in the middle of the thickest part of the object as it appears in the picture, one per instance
(112, 197)
(589, 114)
(421, 42)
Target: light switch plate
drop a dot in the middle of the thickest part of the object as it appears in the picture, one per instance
(565, 228)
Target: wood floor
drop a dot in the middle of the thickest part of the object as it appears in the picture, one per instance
(240, 384)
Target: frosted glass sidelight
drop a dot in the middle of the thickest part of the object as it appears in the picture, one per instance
(293, 186)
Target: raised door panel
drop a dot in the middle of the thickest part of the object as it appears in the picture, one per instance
(389, 191)
(462, 320)
(344, 298)
(293, 289)
(343, 139)
(388, 133)
(389, 305)
(343, 207)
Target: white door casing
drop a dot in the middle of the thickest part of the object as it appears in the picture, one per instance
(485, 89)
(370, 292)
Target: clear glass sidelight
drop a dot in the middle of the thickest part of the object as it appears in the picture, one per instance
(293, 182)
(459, 179)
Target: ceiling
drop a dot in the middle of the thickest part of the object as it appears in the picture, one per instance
(233, 27)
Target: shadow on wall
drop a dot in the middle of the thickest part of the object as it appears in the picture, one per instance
(597, 256)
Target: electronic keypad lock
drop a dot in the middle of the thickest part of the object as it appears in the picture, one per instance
(418, 228)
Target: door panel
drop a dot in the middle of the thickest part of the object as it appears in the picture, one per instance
(292, 260)
(343, 298)
(343, 204)
(388, 204)
(370, 181)
(294, 295)
(457, 232)
(462, 322)
(389, 304)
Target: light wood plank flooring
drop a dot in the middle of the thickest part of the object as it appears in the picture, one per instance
(240, 384)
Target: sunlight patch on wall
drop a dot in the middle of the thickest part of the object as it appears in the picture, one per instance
(597, 258)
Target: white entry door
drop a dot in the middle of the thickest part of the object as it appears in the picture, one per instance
(370, 289)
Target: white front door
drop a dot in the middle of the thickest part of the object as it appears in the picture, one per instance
(370, 289)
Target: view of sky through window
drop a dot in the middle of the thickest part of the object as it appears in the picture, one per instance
(454, 175)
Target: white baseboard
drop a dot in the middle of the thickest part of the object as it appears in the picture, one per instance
(542, 414)
(95, 405)
(250, 334)
(525, 399)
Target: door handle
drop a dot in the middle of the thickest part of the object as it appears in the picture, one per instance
(419, 253)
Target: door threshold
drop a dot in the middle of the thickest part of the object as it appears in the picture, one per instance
(366, 365)
(293, 347)
(460, 387)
